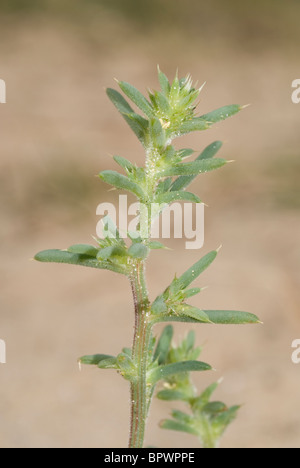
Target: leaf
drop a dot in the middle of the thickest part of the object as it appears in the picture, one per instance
(221, 114)
(192, 273)
(111, 231)
(124, 108)
(169, 370)
(124, 163)
(157, 133)
(95, 359)
(138, 250)
(204, 398)
(164, 186)
(191, 312)
(137, 97)
(62, 256)
(162, 103)
(214, 407)
(221, 421)
(218, 317)
(122, 182)
(192, 292)
(155, 245)
(84, 249)
(163, 345)
(178, 426)
(195, 124)
(185, 153)
(159, 307)
(109, 363)
(111, 251)
(170, 197)
(171, 395)
(184, 181)
(231, 317)
(170, 155)
(181, 416)
(164, 83)
(193, 168)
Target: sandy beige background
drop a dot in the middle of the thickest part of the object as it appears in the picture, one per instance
(58, 130)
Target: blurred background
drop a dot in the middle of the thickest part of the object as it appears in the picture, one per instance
(58, 130)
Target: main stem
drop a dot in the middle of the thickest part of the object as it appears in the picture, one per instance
(142, 335)
(140, 394)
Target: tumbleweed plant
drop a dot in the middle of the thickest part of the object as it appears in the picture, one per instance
(167, 115)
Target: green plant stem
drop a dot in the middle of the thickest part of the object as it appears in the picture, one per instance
(142, 335)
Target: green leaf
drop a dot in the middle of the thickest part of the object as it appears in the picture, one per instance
(223, 420)
(62, 256)
(218, 317)
(175, 90)
(164, 186)
(95, 359)
(159, 306)
(137, 97)
(184, 181)
(109, 363)
(110, 252)
(164, 372)
(181, 416)
(84, 249)
(125, 364)
(111, 231)
(164, 83)
(124, 163)
(170, 197)
(155, 245)
(191, 292)
(178, 426)
(231, 317)
(124, 108)
(195, 124)
(221, 114)
(122, 182)
(185, 153)
(204, 398)
(192, 273)
(163, 345)
(210, 151)
(171, 395)
(162, 103)
(138, 250)
(214, 408)
(157, 133)
(193, 168)
(192, 312)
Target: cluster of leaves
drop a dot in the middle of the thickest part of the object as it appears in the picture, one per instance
(171, 306)
(206, 419)
(168, 114)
